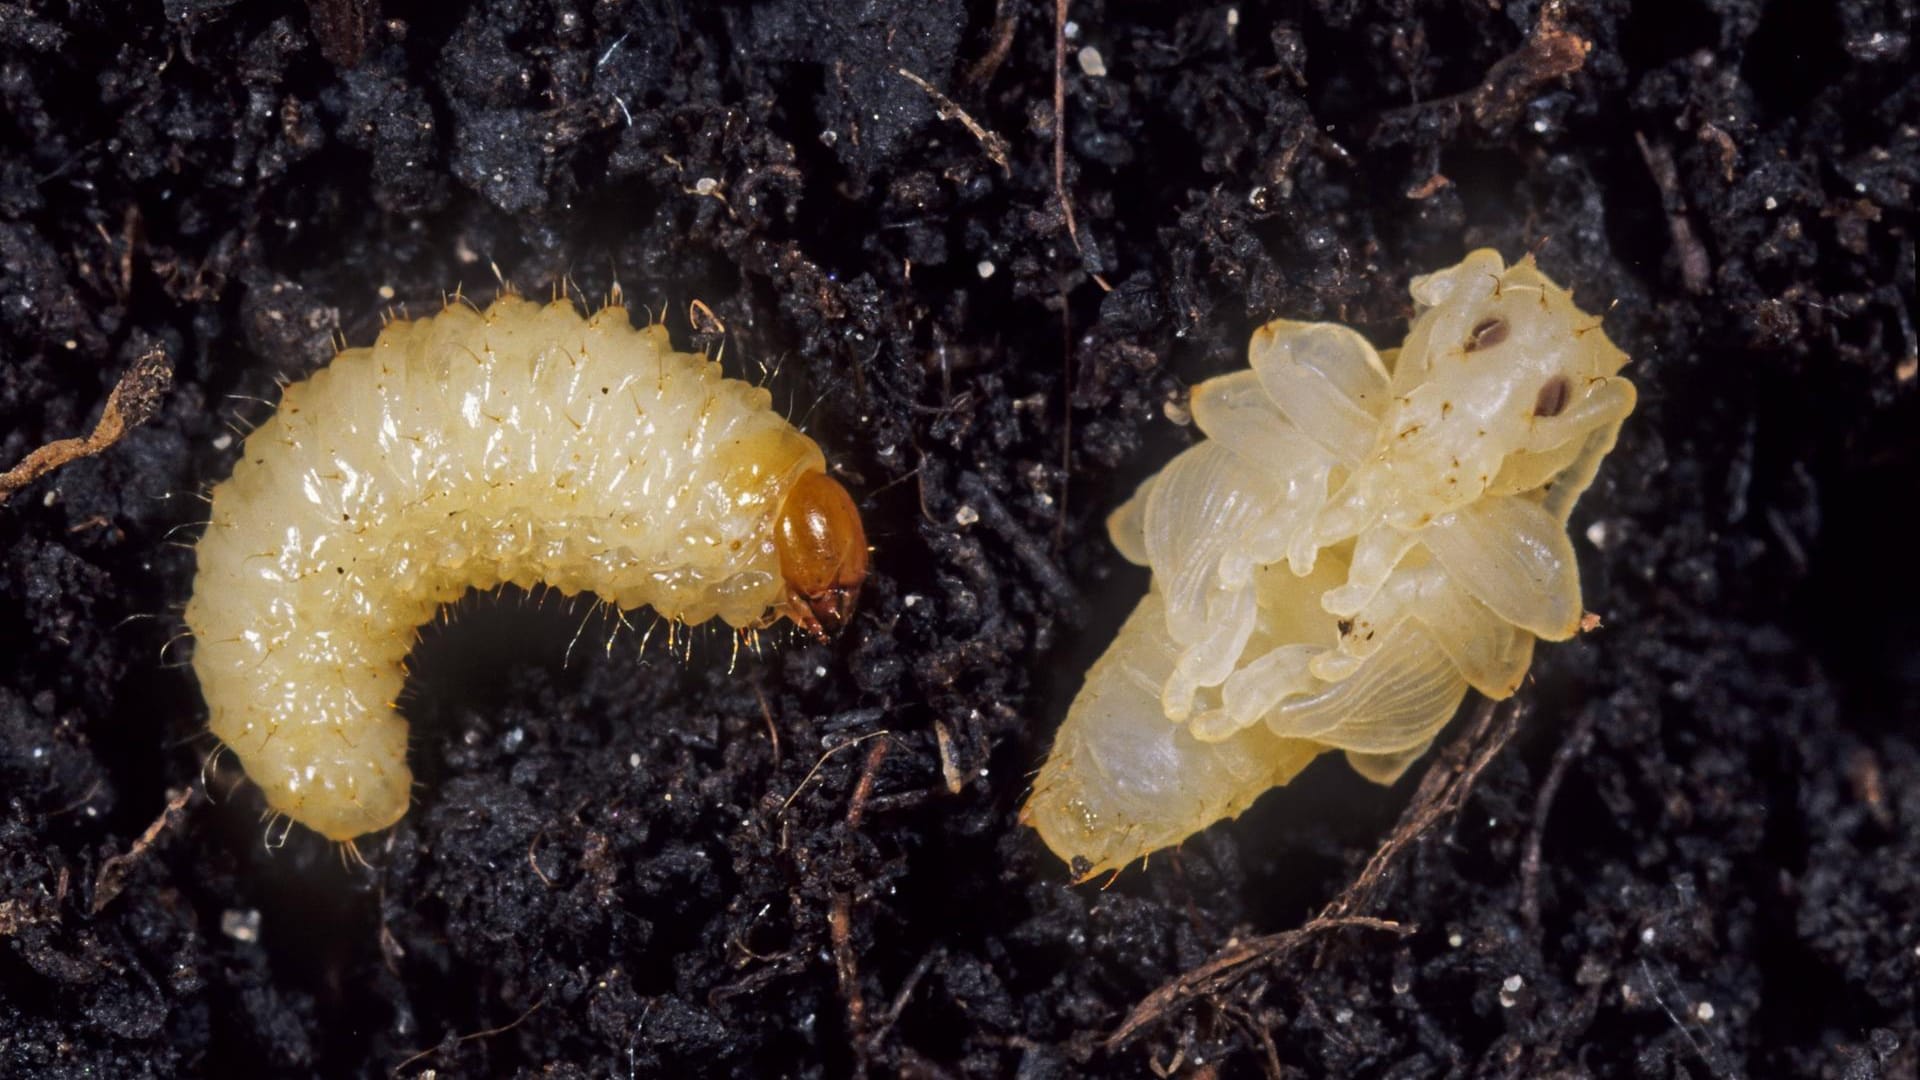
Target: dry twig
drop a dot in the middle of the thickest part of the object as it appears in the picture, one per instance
(990, 141)
(822, 760)
(1440, 795)
(1696, 267)
(1550, 52)
(1442, 791)
(1060, 134)
(1574, 747)
(846, 967)
(1228, 965)
(487, 1034)
(134, 400)
(862, 791)
(982, 71)
(113, 872)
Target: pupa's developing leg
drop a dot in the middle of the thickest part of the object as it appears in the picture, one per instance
(1123, 780)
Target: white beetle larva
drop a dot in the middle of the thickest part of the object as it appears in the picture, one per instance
(524, 444)
(1361, 539)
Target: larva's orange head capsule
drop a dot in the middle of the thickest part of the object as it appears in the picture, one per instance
(823, 553)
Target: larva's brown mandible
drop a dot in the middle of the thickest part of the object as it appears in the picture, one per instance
(523, 444)
(1361, 539)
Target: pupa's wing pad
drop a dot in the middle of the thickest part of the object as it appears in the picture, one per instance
(1362, 537)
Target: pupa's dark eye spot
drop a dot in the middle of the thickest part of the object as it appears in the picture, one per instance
(1553, 397)
(1486, 334)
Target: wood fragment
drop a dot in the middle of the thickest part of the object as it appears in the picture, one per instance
(1429, 187)
(1060, 135)
(1230, 964)
(113, 872)
(1550, 52)
(1572, 748)
(990, 140)
(1696, 269)
(846, 966)
(1004, 23)
(1441, 794)
(822, 760)
(862, 791)
(343, 28)
(955, 780)
(904, 995)
(132, 402)
(450, 1043)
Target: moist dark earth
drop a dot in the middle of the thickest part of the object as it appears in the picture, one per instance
(1698, 857)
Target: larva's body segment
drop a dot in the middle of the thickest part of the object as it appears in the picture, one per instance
(1362, 538)
(524, 445)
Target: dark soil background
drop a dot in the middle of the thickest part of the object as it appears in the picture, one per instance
(1699, 857)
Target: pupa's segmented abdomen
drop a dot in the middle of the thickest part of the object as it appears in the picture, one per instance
(1360, 540)
(524, 444)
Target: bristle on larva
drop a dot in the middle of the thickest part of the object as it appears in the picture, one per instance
(1361, 538)
(523, 444)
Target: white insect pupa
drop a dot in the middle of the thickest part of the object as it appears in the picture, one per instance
(1362, 537)
(524, 444)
